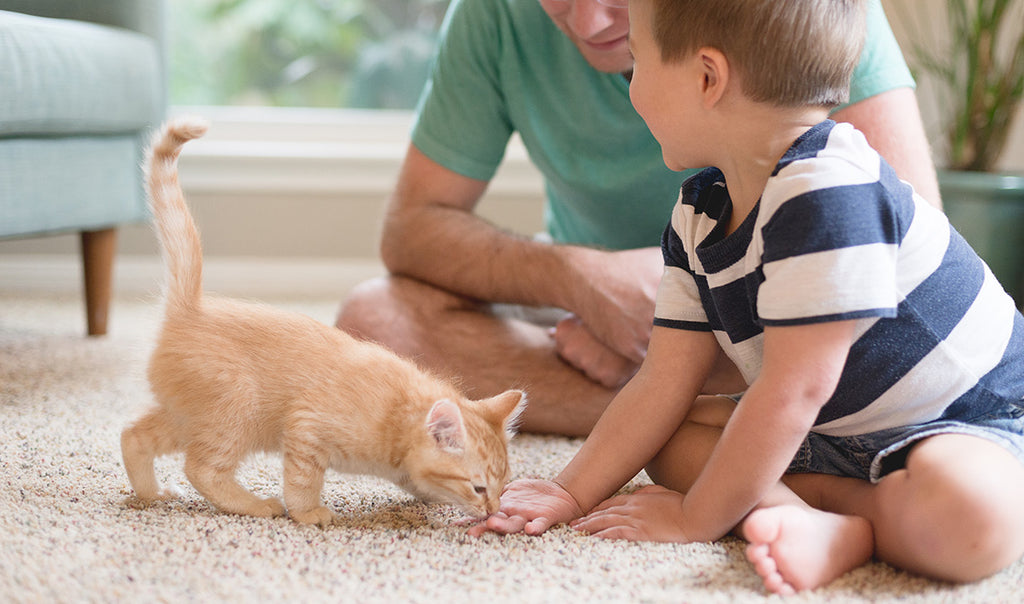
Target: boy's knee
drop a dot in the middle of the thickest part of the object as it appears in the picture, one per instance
(678, 464)
(963, 508)
(712, 411)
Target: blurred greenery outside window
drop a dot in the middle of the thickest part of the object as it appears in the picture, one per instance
(366, 54)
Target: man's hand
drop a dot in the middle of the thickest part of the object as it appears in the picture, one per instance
(614, 295)
(530, 506)
(653, 513)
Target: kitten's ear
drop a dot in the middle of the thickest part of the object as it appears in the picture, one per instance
(444, 422)
(505, 409)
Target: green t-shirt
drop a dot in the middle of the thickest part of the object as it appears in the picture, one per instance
(503, 66)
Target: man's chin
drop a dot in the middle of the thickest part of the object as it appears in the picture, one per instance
(607, 61)
(612, 67)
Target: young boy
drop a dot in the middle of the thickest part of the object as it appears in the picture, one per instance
(885, 363)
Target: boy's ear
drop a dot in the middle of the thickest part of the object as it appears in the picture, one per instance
(715, 69)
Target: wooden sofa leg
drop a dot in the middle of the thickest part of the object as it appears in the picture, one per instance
(98, 249)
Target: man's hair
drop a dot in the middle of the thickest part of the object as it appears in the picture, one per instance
(787, 52)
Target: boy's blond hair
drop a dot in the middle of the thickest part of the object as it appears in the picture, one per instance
(787, 52)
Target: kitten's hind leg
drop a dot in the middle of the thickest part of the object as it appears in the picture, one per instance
(141, 443)
(216, 482)
(303, 483)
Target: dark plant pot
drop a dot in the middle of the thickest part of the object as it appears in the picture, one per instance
(988, 210)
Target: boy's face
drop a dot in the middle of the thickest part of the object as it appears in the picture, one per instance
(598, 31)
(664, 94)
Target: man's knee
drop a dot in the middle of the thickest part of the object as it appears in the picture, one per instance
(361, 310)
(397, 311)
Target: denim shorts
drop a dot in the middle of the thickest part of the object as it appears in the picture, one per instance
(871, 456)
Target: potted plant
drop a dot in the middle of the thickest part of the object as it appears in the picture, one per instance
(975, 61)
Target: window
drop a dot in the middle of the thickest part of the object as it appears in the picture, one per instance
(301, 94)
(307, 97)
(306, 53)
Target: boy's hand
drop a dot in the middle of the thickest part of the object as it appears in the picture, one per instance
(653, 513)
(530, 506)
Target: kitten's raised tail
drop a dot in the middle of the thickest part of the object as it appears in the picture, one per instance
(177, 232)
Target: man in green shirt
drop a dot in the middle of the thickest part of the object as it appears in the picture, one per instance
(557, 72)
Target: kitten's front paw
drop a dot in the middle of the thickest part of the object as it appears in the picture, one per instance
(168, 493)
(270, 507)
(137, 502)
(320, 516)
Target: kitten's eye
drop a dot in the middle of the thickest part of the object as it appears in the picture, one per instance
(480, 490)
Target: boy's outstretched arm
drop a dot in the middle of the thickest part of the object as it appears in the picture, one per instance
(801, 368)
(634, 427)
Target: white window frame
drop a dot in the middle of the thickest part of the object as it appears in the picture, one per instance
(315, 151)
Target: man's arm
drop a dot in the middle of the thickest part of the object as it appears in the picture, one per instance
(431, 234)
(891, 121)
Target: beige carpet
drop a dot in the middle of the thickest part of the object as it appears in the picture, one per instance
(65, 535)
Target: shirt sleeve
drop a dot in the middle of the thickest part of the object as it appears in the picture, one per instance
(462, 121)
(830, 254)
(882, 66)
(678, 304)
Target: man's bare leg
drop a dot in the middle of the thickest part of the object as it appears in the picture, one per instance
(487, 353)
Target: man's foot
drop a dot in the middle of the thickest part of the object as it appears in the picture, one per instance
(581, 349)
(795, 548)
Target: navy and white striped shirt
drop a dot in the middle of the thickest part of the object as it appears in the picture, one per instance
(836, 236)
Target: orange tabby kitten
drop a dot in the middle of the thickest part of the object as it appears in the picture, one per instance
(232, 378)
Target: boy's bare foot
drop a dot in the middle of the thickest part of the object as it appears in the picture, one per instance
(795, 548)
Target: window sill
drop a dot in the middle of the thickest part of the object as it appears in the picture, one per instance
(258, 150)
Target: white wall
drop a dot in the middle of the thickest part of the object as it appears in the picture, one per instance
(289, 203)
(925, 18)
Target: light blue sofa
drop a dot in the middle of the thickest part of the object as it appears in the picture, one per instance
(82, 83)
